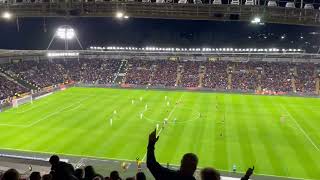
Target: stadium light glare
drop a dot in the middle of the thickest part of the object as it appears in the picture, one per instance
(256, 20)
(6, 15)
(126, 17)
(119, 15)
(65, 33)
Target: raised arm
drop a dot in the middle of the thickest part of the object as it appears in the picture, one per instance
(155, 168)
(248, 174)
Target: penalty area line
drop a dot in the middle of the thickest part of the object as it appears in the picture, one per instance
(300, 128)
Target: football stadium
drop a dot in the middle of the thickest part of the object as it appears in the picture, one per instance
(165, 90)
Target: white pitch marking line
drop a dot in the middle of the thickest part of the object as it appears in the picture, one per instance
(46, 117)
(301, 129)
(172, 110)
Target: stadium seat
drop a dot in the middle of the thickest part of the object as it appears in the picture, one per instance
(272, 4)
(308, 6)
(160, 1)
(197, 1)
(290, 5)
(170, 1)
(182, 1)
(235, 2)
(249, 2)
(216, 2)
(146, 1)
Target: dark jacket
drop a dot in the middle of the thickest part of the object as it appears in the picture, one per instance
(162, 173)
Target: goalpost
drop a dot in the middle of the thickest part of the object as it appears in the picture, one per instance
(17, 102)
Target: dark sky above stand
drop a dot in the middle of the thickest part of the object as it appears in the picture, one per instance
(36, 33)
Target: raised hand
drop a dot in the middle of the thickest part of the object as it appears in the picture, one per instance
(250, 171)
(153, 138)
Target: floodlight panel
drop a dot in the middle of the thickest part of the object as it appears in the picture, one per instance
(65, 33)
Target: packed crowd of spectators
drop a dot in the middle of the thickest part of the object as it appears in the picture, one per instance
(190, 74)
(9, 88)
(276, 77)
(165, 73)
(47, 73)
(139, 72)
(219, 75)
(216, 76)
(305, 78)
(244, 76)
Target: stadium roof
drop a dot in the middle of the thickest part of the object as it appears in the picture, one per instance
(6, 55)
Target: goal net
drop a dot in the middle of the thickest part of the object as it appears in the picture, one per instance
(20, 101)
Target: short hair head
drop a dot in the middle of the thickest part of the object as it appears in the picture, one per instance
(210, 174)
(114, 175)
(11, 174)
(35, 176)
(140, 176)
(54, 159)
(189, 164)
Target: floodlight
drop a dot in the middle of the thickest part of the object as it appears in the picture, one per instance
(119, 15)
(6, 15)
(65, 33)
(126, 17)
(256, 20)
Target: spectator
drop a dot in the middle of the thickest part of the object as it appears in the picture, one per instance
(78, 173)
(114, 175)
(140, 176)
(61, 169)
(89, 173)
(11, 174)
(188, 164)
(47, 177)
(210, 174)
(35, 176)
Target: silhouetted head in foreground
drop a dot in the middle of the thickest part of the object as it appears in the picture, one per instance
(89, 172)
(140, 176)
(54, 160)
(35, 176)
(11, 174)
(114, 175)
(189, 164)
(210, 174)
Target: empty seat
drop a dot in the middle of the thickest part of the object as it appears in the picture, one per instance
(197, 1)
(146, 1)
(308, 6)
(216, 2)
(272, 4)
(160, 1)
(290, 5)
(249, 2)
(235, 2)
(183, 1)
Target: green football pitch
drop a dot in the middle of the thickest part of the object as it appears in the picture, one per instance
(280, 136)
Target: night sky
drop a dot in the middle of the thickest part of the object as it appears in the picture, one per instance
(35, 34)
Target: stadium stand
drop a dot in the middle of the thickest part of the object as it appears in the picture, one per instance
(275, 77)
